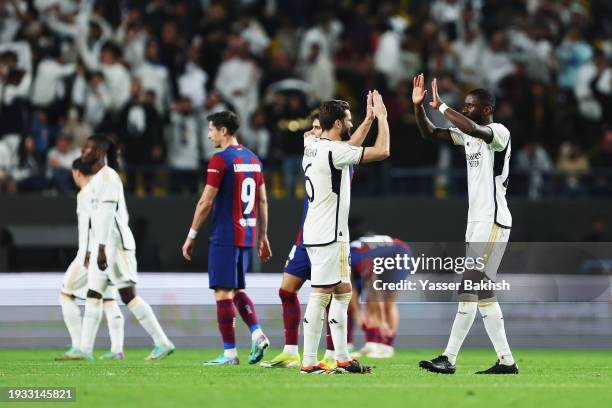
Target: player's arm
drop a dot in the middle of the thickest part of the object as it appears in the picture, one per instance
(360, 134)
(462, 122)
(427, 129)
(382, 147)
(265, 251)
(202, 211)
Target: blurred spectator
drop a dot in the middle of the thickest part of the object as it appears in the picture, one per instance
(192, 82)
(212, 104)
(257, 137)
(28, 173)
(141, 137)
(116, 76)
(238, 80)
(48, 89)
(593, 79)
(318, 71)
(43, 132)
(292, 119)
(534, 165)
(572, 53)
(154, 77)
(496, 61)
(573, 164)
(468, 52)
(253, 33)
(59, 163)
(326, 33)
(184, 146)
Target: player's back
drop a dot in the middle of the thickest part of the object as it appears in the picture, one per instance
(237, 173)
(366, 248)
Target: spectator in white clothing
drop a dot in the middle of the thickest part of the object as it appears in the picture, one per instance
(184, 146)
(154, 77)
(318, 71)
(59, 163)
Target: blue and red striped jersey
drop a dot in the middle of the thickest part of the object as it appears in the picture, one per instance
(365, 249)
(237, 173)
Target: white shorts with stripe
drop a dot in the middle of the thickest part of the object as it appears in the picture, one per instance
(75, 280)
(121, 271)
(486, 240)
(330, 264)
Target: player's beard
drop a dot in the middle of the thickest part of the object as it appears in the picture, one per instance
(346, 133)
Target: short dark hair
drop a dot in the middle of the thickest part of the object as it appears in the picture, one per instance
(226, 119)
(79, 165)
(484, 97)
(331, 111)
(314, 115)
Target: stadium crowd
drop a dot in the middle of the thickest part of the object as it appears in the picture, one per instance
(149, 72)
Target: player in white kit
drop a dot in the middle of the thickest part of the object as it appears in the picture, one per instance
(325, 235)
(487, 151)
(113, 251)
(75, 278)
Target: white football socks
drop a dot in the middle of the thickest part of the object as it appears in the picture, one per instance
(466, 312)
(143, 312)
(313, 323)
(230, 353)
(91, 323)
(72, 317)
(115, 321)
(338, 317)
(256, 334)
(291, 349)
(494, 324)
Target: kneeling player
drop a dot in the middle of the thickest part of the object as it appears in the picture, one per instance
(381, 318)
(75, 278)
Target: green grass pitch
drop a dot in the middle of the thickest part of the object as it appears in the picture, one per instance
(548, 378)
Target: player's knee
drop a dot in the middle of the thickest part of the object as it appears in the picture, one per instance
(92, 294)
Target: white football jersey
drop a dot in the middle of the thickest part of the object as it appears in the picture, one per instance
(83, 212)
(488, 167)
(106, 187)
(328, 187)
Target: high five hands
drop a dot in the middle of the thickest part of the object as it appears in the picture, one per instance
(419, 92)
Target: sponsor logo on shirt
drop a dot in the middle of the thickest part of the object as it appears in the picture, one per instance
(473, 159)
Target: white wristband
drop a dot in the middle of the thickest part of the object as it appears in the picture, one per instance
(442, 108)
(192, 233)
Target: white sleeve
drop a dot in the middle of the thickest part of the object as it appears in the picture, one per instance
(343, 154)
(457, 136)
(501, 136)
(102, 220)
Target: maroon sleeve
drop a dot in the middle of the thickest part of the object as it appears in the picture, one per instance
(216, 170)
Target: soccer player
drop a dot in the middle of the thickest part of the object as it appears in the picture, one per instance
(235, 192)
(113, 251)
(487, 151)
(75, 278)
(297, 269)
(381, 318)
(325, 234)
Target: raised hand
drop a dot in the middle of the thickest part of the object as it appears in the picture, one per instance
(418, 89)
(435, 102)
(370, 114)
(379, 107)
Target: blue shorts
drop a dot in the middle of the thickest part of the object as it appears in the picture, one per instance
(227, 266)
(298, 263)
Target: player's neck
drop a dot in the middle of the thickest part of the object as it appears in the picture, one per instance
(229, 142)
(97, 166)
(331, 135)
